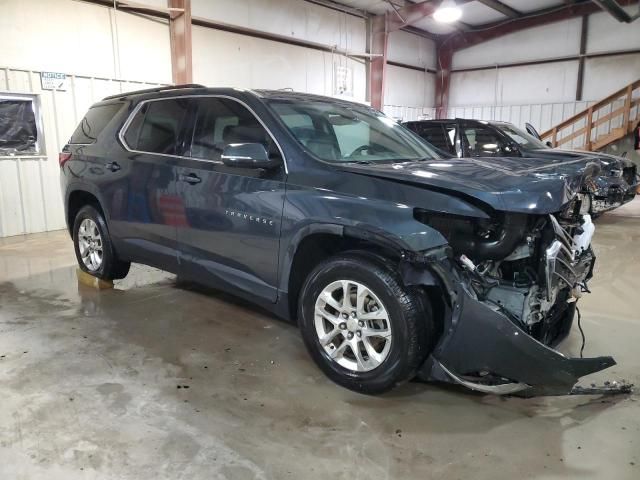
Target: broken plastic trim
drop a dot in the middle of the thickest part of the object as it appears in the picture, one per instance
(477, 338)
(501, 389)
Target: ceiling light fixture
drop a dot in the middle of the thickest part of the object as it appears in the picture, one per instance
(447, 12)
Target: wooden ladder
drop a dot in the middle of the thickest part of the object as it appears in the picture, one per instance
(613, 118)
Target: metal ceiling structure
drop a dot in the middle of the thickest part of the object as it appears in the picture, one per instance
(481, 20)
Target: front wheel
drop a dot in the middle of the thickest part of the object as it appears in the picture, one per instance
(364, 328)
(93, 247)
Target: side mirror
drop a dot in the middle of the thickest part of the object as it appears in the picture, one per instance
(247, 155)
(549, 144)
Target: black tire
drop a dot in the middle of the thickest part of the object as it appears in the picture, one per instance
(409, 314)
(111, 267)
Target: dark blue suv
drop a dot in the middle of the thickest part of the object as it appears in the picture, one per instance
(394, 261)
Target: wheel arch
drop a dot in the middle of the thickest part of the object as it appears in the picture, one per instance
(78, 198)
(316, 242)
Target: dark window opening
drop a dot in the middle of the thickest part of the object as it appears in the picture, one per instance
(18, 127)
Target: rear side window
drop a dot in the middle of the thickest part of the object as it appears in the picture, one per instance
(94, 122)
(435, 134)
(157, 125)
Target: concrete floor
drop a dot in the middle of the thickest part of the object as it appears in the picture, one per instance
(153, 381)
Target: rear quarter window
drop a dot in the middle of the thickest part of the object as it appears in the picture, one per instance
(94, 122)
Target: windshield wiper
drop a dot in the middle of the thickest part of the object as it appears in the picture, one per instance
(360, 162)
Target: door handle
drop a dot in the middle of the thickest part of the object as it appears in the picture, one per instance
(192, 178)
(113, 166)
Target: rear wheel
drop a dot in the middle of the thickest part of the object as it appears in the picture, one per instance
(362, 326)
(93, 247)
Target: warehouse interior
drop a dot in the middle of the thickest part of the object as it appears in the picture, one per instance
(153, 377)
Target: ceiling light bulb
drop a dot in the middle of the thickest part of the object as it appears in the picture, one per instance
(447, 12)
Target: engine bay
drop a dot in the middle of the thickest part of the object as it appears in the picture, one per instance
(532, 269)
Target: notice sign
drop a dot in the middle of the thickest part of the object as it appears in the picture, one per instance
(53, 81)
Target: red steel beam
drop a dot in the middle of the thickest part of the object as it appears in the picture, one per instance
(180, 33)
(489, 32)
(378, 64)
(381, 26)
(444, 55)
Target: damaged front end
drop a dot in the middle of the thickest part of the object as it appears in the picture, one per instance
(513, 282)
(615, 187)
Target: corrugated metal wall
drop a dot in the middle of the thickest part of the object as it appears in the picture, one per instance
(408, 114)
(30, 198)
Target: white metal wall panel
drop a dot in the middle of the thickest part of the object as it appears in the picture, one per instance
(30, 198)
(407, 114)
(542, 116)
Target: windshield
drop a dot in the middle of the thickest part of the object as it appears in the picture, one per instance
(522, 138)
(339, 133)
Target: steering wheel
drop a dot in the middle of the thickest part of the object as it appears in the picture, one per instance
(360, 149)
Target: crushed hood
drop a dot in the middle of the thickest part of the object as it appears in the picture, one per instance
(507, 184)
(559, 156)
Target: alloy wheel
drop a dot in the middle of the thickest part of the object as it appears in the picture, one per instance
(352, 325)
(90, 245)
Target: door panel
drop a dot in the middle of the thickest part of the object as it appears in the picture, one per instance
(147, 210)
(232, 230)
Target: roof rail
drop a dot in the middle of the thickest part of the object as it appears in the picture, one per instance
(154, 90)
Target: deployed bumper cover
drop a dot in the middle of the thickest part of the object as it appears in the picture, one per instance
(483, 340)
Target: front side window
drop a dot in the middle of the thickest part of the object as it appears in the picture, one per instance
(19, 126)
(353, 133)
(482, 142)
(157, 126)
(222, 121)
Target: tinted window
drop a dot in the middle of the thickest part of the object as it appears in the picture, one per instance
(157, 125)
(349, 132)
(94, 122)
(435, 134)
(482, 142)
(221, 121)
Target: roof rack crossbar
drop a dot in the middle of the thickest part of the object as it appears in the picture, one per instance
(154, 90)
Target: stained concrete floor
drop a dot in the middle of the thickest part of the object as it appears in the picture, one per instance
(153, 380)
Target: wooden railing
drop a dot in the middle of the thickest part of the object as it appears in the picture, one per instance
(620, 108)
